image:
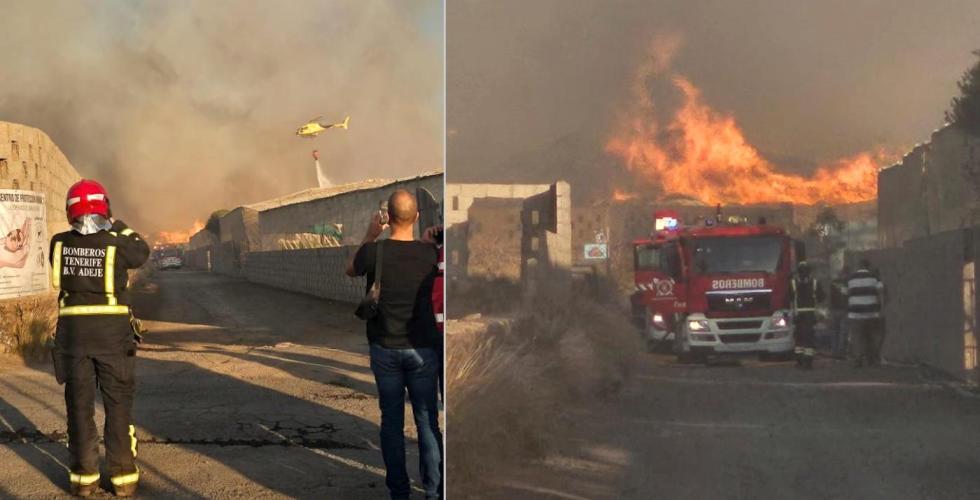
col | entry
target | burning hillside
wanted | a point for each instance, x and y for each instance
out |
(702, 153)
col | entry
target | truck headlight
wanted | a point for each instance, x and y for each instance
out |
(697, 325)
(658, 321)
(779, 320)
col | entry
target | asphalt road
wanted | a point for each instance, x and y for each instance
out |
(760, 431)
(243, 392)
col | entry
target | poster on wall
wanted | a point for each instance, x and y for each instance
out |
(596, 251)
(23, 242)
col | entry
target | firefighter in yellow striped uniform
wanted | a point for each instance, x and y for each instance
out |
(94, 342)
(806, 294)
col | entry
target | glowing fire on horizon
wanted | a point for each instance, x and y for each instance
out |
(703, 154)
(177, 237)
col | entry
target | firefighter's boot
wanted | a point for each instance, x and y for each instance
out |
(125, 485)
(83, 485)
(125, 490)
(84, 490)
(808, 354)
(807, 362)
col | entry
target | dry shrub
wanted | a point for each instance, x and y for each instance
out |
(26, 327)
(140, 277)
(509, 383)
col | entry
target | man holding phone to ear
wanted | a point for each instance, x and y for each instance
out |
(405, 343)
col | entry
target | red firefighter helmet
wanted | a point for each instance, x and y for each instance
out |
(86, 197)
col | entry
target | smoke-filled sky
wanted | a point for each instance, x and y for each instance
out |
(808, 81)
(185, 107)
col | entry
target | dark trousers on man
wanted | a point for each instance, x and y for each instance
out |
(114, 377)
(806, 338)
(865, 337)
(416, 370)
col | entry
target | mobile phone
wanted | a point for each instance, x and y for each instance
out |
(383, 211)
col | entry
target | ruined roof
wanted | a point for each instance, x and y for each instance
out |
(328, 192)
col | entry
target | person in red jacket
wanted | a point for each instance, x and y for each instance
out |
(439, 303)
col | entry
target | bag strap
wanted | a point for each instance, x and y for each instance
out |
(378, 261)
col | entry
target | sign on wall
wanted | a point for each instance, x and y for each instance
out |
(596, 251)
(23, 240)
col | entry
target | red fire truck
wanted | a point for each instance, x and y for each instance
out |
(715, 288)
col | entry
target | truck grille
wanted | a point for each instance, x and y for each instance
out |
(739, 301)
(739, 338)
(740, 325)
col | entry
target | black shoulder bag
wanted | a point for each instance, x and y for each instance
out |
(370, 306)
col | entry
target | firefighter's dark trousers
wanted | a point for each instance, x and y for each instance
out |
(113, 375)
(805, 334)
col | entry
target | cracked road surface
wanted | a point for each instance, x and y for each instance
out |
(762, 430)
(243, 391)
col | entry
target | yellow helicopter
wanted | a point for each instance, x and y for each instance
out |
(313, 127)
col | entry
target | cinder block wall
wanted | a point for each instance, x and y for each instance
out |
(318, 272)
(928, 318)
(31, 161)
(352, 210)
(928, 192)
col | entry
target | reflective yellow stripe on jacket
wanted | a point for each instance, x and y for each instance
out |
(795, 301)
(110, 275)
(56, 265)
(92, 310)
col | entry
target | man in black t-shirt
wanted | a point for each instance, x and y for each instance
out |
(404, 342)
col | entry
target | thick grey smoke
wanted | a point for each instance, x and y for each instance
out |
(184, 107)
(533, 86)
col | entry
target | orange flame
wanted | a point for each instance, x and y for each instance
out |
(177, 237)
(620, 195)
(703, 153)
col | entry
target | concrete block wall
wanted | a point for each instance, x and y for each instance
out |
(202, 239)
(240, 225)
(351, 209)
(199, 259)
(928, 317)
(241, 248)
(929, 192)
(318, 272)
(228, 258)
(31, 161)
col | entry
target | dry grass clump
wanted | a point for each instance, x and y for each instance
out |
(510, 383)
(27, 326)
(141, 276)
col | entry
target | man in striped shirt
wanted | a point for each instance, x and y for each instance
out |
(864, 299)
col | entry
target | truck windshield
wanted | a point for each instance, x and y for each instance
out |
(647, 258)
(738, 254)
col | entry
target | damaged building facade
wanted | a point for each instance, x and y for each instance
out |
(502, 231)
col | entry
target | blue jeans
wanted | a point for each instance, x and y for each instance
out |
(416, 370)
